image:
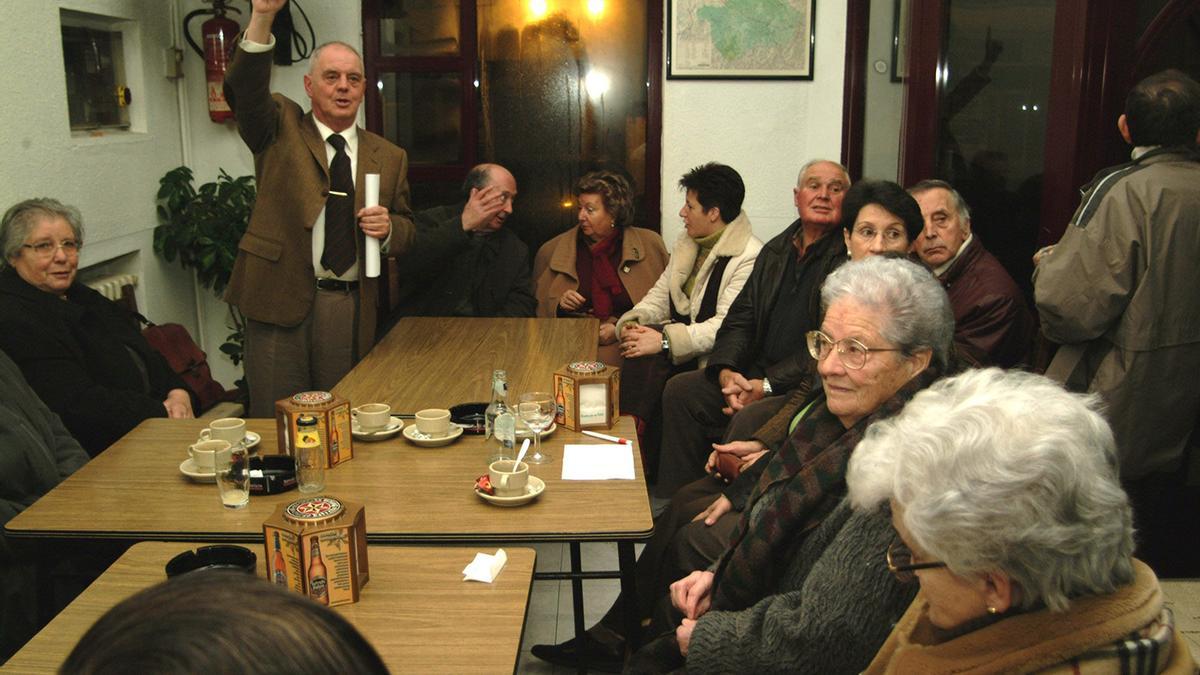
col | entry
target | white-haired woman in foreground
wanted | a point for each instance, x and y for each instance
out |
(1004, 494)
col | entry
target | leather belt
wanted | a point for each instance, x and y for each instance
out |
(336, 285)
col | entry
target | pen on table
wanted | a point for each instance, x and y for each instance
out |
(606, 437)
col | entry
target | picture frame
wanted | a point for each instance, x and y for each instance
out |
(707, 40)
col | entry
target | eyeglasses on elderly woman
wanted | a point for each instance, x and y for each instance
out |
(900, 563)
(47, 249)
(852, 353)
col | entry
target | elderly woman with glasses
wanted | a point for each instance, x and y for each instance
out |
(1004, 494)
(79, 351)
(796, 584)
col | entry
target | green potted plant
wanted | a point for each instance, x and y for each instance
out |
(202, 228)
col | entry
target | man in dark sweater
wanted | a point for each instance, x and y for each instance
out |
(463, 261)
(759, 350)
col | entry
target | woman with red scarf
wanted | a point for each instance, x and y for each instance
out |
(603, 267)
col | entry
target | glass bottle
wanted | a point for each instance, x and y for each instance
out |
(310, 455)
(317, 580)
(499, 402)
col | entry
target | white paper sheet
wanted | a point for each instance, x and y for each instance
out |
(602, 461)
(485, 567)
(371, 250)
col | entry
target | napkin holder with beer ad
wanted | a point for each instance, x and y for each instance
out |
(587, 395)
(317, 546)
(333, 424)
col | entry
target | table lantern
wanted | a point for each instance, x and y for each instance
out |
(333, 424)
(317, 546)
(587, 394)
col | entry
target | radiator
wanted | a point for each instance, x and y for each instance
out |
(112, 287)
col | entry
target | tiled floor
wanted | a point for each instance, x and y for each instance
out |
(550, 618)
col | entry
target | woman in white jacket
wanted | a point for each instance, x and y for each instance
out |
(673, 327)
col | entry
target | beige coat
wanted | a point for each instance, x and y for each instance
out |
(689, 341)
(643, 258)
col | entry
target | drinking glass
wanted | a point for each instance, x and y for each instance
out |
(233, 475)
(537, 410)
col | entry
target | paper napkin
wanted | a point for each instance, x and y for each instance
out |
(601, 461)
(485, 567)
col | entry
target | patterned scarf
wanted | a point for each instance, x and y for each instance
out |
(799, 487)
(606, 285)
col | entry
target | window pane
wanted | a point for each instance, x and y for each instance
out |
(419, 28)
(93, 59)
(563, 90)
(993, 129)
(422, 114)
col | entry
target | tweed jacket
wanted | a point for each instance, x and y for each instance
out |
(689, 341)
(991, 319)
(1122, 288)
(85, 358)
(1092, 636)
(273, 276)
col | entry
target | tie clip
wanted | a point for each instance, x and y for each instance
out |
(339, 194)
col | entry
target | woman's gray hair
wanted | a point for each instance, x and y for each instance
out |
(916, 308)
(21, 218)
(1005, 471)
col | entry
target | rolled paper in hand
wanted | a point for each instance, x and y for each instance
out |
(371, 251)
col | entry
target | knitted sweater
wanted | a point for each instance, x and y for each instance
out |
(834, 606)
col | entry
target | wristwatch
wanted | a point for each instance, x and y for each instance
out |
(666, 343)
(767, 387)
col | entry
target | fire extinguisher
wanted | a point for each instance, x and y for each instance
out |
(219, 35)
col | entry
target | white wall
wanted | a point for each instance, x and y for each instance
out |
(764, 129)
(112, 178)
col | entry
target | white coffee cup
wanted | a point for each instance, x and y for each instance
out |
(231, 429)
(202, 453)
(508, 478)
(433, 422)
(373, 416)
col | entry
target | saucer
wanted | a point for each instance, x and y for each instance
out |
(535, 487)
(379, 434)
(189, 469)
(251, 439)
(417, 438)
(524, 431)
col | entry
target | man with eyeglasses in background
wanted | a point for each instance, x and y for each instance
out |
(464, 261)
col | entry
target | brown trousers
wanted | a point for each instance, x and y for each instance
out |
(315, 355)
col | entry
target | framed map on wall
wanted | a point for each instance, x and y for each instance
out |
(740, 39)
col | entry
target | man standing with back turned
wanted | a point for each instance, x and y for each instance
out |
(310, 313)
(1121, 292)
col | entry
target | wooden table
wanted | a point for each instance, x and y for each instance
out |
(435, 362)
(416, 610)
(135, 491)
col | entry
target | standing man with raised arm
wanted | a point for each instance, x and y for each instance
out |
(310, 313)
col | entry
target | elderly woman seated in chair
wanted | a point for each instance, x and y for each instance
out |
(79, 351)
